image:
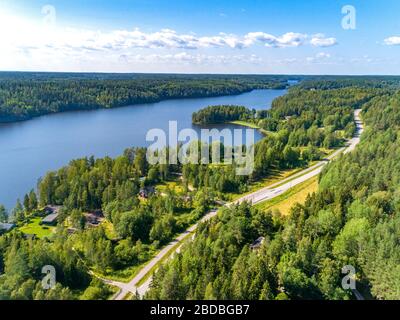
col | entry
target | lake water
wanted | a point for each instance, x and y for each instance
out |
(29, 149)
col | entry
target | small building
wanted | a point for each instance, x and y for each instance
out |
(52, 209)
(94, 218)
(51, 219)
(256, 245)
(5, 227)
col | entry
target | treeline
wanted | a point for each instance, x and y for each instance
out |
(221, 114)
(352, 220)
(27, 95)
(319, 117)
(337, 82)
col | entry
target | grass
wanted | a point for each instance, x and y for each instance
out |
(34, 227)
(171, 185)
(113, 291)
(129, 296)
(250, 125)
(245, 124)
(123, 275)
(275, 176)
(297, 176)
(285, 201)
(109, 230)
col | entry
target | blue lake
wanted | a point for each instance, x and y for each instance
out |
(29, 149)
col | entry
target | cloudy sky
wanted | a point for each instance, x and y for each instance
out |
(219, 36)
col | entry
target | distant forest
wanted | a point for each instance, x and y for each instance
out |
(24, 95)
(27, 95)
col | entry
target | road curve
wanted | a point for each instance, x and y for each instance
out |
(261, 195)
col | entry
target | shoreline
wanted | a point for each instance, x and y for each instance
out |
(12, 119)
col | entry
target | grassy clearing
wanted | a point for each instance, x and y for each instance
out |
(251, 125)
(34, 227)
(124, 275)
(245, 124)
(285, 202)
(171, 185)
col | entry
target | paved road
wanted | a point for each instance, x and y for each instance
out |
(358, 295)
(261, 195)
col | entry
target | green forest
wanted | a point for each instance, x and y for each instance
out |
(27, 95)
(351, 220)
(220, 114)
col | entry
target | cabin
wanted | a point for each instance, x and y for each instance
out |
(50, 219)
(256, 245)
(52, 213)
(6, 227)
(94, 218)
(51, 209)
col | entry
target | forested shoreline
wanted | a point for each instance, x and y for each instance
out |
(27, 95)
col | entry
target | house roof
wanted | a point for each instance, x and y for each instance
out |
(50, 218)
(52, 209)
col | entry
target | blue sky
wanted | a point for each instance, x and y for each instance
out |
(268, 36)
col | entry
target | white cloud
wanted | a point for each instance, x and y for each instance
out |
(184, 57)
(392, 41)
(320, 58)
(290, 39)
(319, 40)
(52, 47)
(42, 36)
(323, 55)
